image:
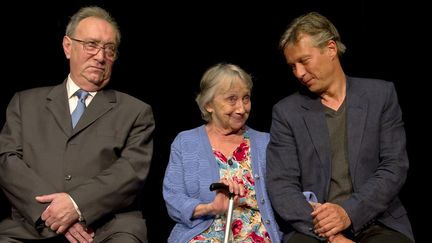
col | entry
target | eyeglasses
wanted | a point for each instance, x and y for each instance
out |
(93, 48)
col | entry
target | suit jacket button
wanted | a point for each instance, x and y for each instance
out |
(68, 177)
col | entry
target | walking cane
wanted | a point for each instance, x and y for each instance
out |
(221, 186)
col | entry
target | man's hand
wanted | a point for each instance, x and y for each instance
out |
(330, 219)
(60, 213)
(77, 233)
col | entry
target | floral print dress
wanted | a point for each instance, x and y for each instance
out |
(246, 224)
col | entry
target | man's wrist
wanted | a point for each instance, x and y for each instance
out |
(80, 216)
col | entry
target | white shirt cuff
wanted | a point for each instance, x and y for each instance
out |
(81, 219)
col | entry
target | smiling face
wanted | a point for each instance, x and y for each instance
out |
(91, 72)
(311, 65)
(230, 106)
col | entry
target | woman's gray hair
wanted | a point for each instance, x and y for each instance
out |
(315, 25)
(91, 11)
(213, 78)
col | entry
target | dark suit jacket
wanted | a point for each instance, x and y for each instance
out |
(102, 163)
(299, 159)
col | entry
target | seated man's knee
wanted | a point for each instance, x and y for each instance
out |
(122, 237)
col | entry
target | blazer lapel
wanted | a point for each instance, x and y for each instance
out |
(57, 104)
(316, 124)
(356, 120)
(103, 101)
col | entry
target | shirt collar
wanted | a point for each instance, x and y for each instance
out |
(71, 88)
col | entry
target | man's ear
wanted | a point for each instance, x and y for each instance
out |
(332, 48)
(67, 46)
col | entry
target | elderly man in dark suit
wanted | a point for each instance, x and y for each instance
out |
(71, 178)
(340, 138)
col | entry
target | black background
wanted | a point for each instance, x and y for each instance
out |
(166, 47)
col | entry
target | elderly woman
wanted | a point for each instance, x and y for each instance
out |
(223, 150)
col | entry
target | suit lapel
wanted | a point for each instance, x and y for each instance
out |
(356, 120)
(57, 104)
(316, 124)
(101, 104)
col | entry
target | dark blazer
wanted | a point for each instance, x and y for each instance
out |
(102, 163)
(299, 159)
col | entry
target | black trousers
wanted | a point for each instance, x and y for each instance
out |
(376, 233)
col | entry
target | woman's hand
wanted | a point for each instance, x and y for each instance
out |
(219, 205)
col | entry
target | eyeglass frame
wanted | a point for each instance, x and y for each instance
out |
(97, 46)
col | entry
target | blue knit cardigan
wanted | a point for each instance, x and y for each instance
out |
(191, 170)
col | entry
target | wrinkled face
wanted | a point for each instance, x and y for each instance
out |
(311, 65)
(231, 106)
(90, 53)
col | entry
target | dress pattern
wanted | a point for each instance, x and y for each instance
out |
(247, 224)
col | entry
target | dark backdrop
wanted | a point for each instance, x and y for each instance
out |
(166, 47)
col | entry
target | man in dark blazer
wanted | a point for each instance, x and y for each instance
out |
(340, 138)
(77, 183)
